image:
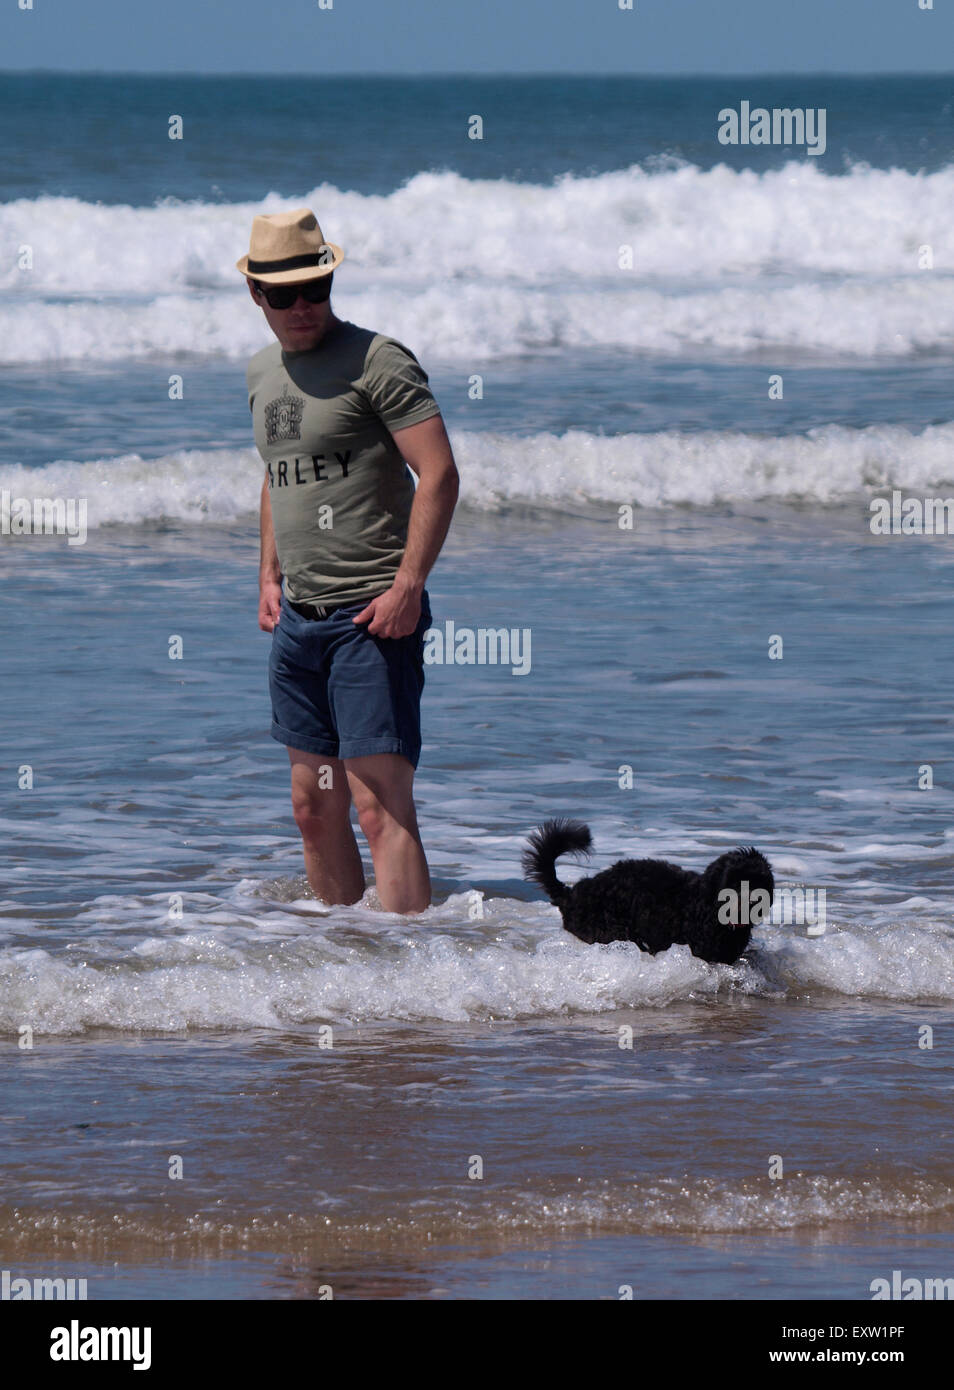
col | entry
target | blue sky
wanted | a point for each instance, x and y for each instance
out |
(479, 36)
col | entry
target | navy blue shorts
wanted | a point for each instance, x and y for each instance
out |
(342, 693)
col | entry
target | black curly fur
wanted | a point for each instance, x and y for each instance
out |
(649, 901)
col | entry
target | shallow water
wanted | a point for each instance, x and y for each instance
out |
(480, 1028)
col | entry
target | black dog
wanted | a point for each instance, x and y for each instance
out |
(652, 902)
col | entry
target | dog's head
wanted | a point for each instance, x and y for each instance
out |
(739, 886)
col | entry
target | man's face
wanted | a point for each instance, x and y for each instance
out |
(302, 325)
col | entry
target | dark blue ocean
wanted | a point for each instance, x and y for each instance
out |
(700, 366)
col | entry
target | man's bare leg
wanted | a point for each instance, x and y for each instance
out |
(382, 788)
(323, 815)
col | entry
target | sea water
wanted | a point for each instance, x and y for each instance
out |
(468, 1102)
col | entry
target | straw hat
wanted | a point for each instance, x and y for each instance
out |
(287, 246)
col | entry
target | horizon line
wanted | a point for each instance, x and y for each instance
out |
(596, 72)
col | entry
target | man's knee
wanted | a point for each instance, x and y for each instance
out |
(315, 817)
(320, 801)
(381, 787)
(373, 819)
(387, 814)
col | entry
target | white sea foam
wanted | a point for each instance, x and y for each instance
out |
(468, 269)
(545, 470)
(476, 324)
(592, 1206)
(706, 1204)
(285, 967)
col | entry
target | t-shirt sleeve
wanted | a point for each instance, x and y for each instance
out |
(396, 386)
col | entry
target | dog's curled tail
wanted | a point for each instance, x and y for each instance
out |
(544, 847)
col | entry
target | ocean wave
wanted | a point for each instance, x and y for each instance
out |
(350, 966)
(690, 1205)
(468, 269)
(546, 471)
(478, 324)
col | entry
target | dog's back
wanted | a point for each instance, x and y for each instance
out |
(641, 900)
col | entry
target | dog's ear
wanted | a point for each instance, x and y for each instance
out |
(742, 872)
(753, 873)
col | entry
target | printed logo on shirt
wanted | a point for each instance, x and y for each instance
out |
(283, 417)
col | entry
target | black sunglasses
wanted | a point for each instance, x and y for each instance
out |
(284, 296)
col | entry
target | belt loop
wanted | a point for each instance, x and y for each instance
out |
(315, 611)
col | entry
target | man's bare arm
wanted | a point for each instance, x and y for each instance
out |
(427, 451)
(269, 570)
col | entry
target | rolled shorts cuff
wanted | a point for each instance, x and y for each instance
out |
(320, 746)
(368, 747)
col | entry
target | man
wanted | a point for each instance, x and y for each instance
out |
(337, 410)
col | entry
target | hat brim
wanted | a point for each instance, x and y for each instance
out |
(289, 277)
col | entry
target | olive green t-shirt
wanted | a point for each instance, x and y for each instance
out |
(339, 489)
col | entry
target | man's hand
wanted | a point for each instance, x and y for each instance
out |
(270, 593)
(395, 613)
